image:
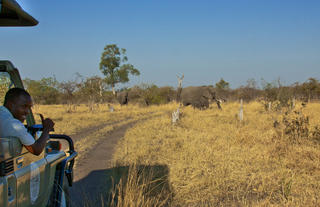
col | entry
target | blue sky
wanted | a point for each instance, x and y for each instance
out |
(205, 40)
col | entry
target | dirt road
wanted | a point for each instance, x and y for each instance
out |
(92, 172)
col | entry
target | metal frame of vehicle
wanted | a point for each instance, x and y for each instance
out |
(26, 179)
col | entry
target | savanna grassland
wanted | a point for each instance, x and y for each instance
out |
(208, 158)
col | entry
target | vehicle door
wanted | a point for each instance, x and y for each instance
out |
(7, 178)
(32, 183)
(28, 184)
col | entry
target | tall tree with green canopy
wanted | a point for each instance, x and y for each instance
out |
(222, 84)
(113, 66)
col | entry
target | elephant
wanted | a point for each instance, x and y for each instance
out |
(131, 95)
(122, 97)
(198, 96)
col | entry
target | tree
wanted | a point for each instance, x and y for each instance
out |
(252, 83)
(248, 92)
(68, 89)
(44, 91)
(222, 84)
(112, 65)
(310, 88)
(93, 87)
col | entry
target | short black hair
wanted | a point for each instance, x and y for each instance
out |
(14, 93)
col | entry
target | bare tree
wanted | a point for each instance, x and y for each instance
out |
(179, 89)
(180, 79)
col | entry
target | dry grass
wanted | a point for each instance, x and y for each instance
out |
(141, 186)
(82, 118)
(212, 158)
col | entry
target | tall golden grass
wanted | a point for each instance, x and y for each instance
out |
(83, 118)
(212, 158)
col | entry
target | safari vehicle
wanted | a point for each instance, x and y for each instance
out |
(26, 179)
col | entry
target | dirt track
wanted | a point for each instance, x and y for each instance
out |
(91, 173)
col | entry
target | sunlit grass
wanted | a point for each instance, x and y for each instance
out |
(213, 159)
(82, 119)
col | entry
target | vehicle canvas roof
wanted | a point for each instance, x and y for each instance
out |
(11, 14)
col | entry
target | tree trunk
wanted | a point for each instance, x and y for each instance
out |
(178, 97)
(100, 91)
(113, 91)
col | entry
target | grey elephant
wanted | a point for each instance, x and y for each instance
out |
(132, 95)
(122, 97)
(198, 96)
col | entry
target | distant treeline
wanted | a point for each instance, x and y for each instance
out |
(96, 90)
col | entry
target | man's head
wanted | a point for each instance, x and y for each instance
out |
(18, 102)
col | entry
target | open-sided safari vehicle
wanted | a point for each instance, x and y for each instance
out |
(26, 179)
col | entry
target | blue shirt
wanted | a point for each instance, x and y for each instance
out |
(11, 127)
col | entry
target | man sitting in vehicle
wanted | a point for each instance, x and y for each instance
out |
(16, 106)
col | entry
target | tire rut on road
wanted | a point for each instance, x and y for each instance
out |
(100, 155)
(97, 159)
(89, 130)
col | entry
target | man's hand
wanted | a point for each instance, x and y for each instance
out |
(47, 123)
(37, 147)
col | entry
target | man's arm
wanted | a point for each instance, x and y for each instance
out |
(37, 147)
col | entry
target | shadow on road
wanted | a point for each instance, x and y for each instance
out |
(96, 188)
